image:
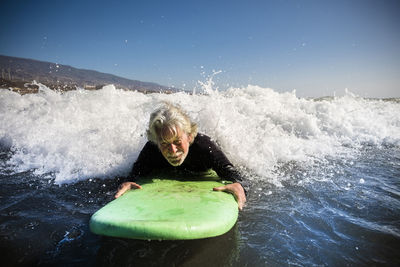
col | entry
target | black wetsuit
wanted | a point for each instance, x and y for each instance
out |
(203, 155)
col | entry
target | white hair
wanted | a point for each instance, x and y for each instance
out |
(169, 117)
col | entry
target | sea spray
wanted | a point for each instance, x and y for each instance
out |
(82, 134)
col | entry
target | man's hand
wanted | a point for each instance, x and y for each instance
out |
(125, 187)
(237, 190)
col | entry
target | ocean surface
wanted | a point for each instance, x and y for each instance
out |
(324, 174)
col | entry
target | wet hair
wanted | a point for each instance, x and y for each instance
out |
(167, 119)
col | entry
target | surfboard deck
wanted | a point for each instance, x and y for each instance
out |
(168, 209)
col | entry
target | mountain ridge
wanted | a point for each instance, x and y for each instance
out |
(65, 77)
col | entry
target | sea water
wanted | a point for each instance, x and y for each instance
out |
(324, 175)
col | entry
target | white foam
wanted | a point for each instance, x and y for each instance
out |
(85, 134)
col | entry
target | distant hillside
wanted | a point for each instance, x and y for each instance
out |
(66, 77)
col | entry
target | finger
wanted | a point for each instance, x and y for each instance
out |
(219, 188)
(241, 202)
(121, 191)
(136, 186)
(236, 192)
(227, 189)
(125, 187)
(241, 199)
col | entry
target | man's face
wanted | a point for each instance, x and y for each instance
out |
(174, 145)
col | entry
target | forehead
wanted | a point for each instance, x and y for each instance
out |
(171, 133)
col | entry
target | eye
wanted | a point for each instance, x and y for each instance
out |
(164, 144)
(177, 142)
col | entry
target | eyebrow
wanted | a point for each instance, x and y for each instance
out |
(173, 140)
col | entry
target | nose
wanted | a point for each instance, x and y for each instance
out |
(172, 148)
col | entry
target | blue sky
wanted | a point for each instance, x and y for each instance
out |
(316, 47)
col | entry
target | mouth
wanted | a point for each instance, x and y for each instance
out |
(174, 158)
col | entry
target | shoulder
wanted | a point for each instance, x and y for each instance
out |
(150, 154)
(149, 148)
(202, 140)
(205, 143)
(150, 145)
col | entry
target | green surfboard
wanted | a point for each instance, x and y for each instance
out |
(169, 209)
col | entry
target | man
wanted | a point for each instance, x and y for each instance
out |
(174, 144)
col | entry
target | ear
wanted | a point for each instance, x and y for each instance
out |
(190, 137)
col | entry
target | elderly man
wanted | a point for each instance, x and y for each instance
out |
(175, 143)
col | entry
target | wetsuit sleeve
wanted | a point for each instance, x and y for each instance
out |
(222, 166)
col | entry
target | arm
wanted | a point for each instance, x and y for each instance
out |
(236, 188)
(141, 167)
(224, 168)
